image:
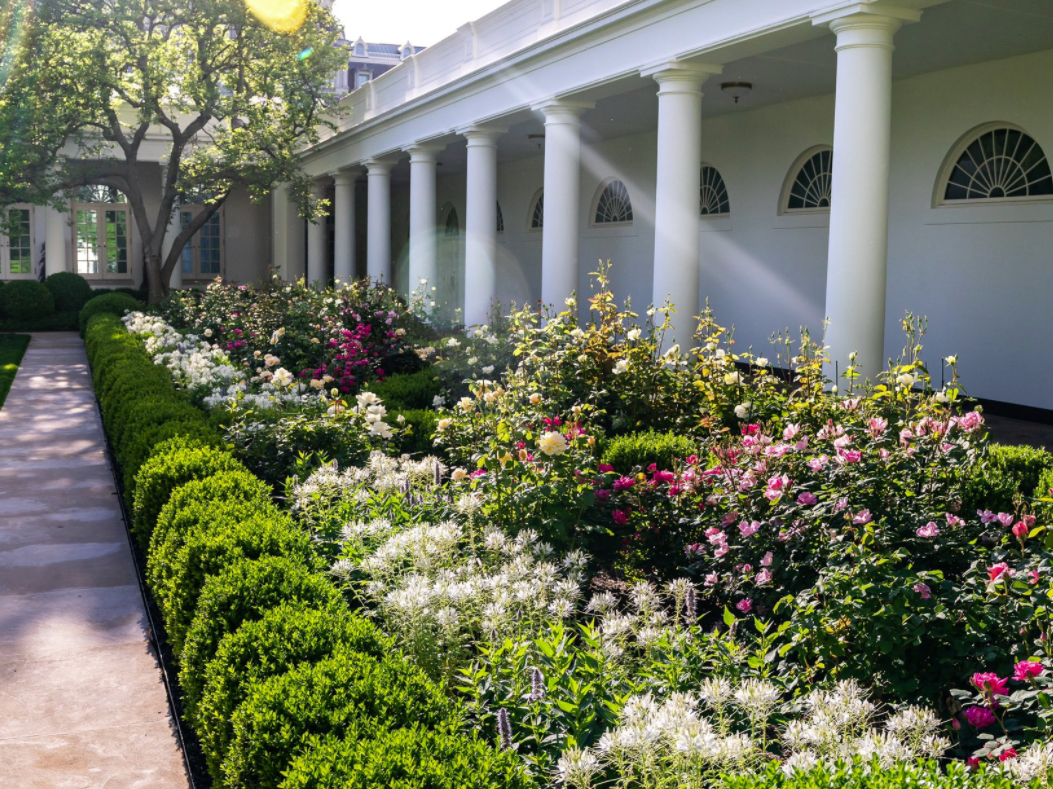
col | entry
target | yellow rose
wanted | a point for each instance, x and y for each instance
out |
(552, 443)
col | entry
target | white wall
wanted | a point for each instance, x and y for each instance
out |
(247, 238)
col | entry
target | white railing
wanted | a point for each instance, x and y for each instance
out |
(515, 25)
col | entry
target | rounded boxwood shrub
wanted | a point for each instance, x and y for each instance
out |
(179, 567)
(139, 447)
(112, 303)
(27, 300)
(642, 449)
(140, 413)
(1005, 472)
(286, 636)
(272, 725)
(413, 391)
(244, 592)
(70, 291)
(411, 758)
(421, 438)
(172, 463)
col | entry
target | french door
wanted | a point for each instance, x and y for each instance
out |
(16, 243)
(202, 257)
(101, 237)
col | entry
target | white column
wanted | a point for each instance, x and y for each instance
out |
(378, 225)
(480, 245)
(316, 243)
(175, 282)
(676, 230)
(344, 225)
(561, 227)
(55, 241)
(423, 244)
(287, 235)
(858, 253)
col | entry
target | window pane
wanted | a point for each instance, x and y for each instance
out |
(116, 242)
(187, 255)
(210, 246)
(21, 242)
(87, 242)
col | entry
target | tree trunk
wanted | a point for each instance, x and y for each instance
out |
(157, 288)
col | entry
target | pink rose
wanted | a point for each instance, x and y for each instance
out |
(807, 499)
(1005, 518)
(862, 517)
(929, 530)
(1020, 530)
(986, 516)
(1027, 669)
(876, 426)
(766, 561)
(621, 517)
(979, 717)
(1033, 575)
(745, 605)
(850, 455)
(712, 579)
(763, 577)
(817, 464)
(994, 572)
(923, 590)
(954, 520)
(749, 529)
(1007, 754)
(989, 682)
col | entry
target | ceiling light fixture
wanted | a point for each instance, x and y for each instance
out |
(736, 89)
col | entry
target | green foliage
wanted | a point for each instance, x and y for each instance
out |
(12, 348)
(408, 392)
(70, 291)
(287, 636)
(411, 758)
(110, 303)
(861, 775)
(272, 726)
(172, 463)
(420, 437)
(639, 450)
(180, 565)
(244, 592)
(1003, 476)
(26, 300)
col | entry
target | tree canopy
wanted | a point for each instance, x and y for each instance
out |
(223, 93)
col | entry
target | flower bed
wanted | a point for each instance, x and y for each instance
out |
(791, 574)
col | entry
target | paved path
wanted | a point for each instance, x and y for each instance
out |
(82, 702)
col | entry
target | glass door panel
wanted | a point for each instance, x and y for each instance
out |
(116, 242)
(20, 242)
(185, 218)
(87, 241)
(209, 246)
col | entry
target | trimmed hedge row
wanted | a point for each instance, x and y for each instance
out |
(283, 684)
(640, 450)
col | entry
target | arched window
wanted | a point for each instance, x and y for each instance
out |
(995, 162)
(712, 193)
(537, 211)
(808, 186)
(613, 206)
(500, 219)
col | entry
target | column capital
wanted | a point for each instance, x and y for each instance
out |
(686, 76)
(378, 166)
(869, 24)
(562, 109)
(423, 153)
(478, 134)
(345, 177)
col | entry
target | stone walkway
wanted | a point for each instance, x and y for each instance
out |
(82, 701)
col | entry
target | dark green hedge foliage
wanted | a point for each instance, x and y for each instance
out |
(26, 300)
(911, 775)
(1004, 473)
(243, 593)
(272, 725)
(421, 438)
(409, 392)
(412, 758)
(287, 636)
(109, 303)
(667, 450)
(173, 463)
(70, 291)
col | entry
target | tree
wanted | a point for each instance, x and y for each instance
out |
(90, 89)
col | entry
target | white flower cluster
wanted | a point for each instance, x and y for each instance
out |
(1034, 764)
(193, 362)
(654, 740)
(380, 474)
(439, 589)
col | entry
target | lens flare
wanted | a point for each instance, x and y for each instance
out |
(281, 16)
(305, 54)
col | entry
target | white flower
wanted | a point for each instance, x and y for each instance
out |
(277, 335)
(906, 380)
(452, 343)
(552, 443)
(270, 360)
(443, 424)
(317, 383)
(761, 361)
(458, 474)
(633, 335)
(208, 332)
(473, 361)
(732, 379)
(621, 366)
(466, 404)
(488, 369)
(951, 360)
(535, 398)
(743, 409)
(367, 399)
(571, 301)
(382, 429)
(282, 377)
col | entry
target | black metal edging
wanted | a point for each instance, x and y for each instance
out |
(153, 633)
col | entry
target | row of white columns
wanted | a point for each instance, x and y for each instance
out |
(856, 273)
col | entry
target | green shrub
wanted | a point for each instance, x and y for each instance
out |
(179, 567)
(242, 593)
(139, 447)
(874, 775)
(272, 725)
(1004, 473)
(667, 450)
(111, 303)
(286, 636)
(421, 438)
(411, 392)
(411, 758)
(70, 291)
(2, 283)
(172, 463)
(26, 300)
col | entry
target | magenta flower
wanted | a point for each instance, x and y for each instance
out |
(876, 426)
(621, 517)
(986, 516)
(989, 682)
(749, 529)
(979, 717)
(1005, 518)
(817, 464)
(745, 605)
(807, 499)
(954, 520)
(712, 579)
(1027, 669)
(929, 530)
(1033, 574)
(849, 455)
(1020, 530)
(923, 590)
(994, 572)
(862, 517)
(763, 577)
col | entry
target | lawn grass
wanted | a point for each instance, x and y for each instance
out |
(12, 348)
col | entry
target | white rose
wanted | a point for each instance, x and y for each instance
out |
(762, 361)
(452, 343)
(282, 377)
(458, 474)
(466, 404)
(382, 429)
(473, 361)
(906, 380)
(277, 336)
(535, 398)
(552, 443)
(633, 335)
(488, 369)
(577, 334)
(366, 399)
(208, 332)
(317, 383)
(438, 401)
(743, 410)
(621, 366)
(732, 379)
(443, 424)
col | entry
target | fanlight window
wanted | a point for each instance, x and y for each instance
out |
(713, 194)
(537, 216)
(100, 194)
(500, 219)
(811, 186)
(614, 206)
(999, 163)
